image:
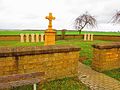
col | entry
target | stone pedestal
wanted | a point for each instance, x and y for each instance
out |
(27, 37)
(85, 37)
(32, 37)
(42, 37)
(21, 37)
(37, 37)
(50, 37)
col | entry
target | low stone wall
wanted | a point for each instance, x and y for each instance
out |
(106, 56)
(9, 38)
(107, 37)
(56, 61)
(60, 37)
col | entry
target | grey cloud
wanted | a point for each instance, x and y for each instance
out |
(64, 10)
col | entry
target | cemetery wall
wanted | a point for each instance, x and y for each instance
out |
(56, 61)
(10, 37)
(106, 56)
(59, 37)
(107, 37)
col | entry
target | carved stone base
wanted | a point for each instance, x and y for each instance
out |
(50, 37)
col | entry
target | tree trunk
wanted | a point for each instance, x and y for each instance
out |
(82, 28)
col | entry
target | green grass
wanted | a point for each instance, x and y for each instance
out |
(17, 43)
(113, 73)
(71, 83)
(18, 32)
(65, 84)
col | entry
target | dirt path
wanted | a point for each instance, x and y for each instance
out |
(96, 80)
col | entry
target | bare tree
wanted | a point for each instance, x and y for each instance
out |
(116, 17)
(84, 20)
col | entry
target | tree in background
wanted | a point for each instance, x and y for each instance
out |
(84, 20)
(116, 17)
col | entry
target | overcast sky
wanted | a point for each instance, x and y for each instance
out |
(30, 14)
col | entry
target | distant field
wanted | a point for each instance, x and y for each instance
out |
(17, 32)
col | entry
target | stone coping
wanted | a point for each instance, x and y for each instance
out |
(16, 80)
(107, 45)
(34, 50)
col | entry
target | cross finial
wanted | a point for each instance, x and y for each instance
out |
(50, 18)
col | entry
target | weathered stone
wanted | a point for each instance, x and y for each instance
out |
(91, 38)
(106, 56)
(32, 37)
(27, 37)
(55, 61)
(63, 33)
(21, 37)
(37, 38)
(88, 37)
(42, 37)
(85, 37)
(50, 33)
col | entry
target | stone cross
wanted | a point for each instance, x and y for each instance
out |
(21, 37)
(37, 37)
(50, 18)
(27, 37)
(42, 37)
(32, 37)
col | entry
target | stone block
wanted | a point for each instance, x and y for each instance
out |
(42, 37)
(27, 37)
(22, 37)
(32, 37)
(85, 37)
(106, 56)
(37, 38)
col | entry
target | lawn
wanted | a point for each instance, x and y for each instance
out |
(70, 83)
(68, 32)
(113, 73)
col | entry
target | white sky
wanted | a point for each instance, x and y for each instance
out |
(30, 14)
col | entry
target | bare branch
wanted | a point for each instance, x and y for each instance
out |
(84, 20)
(116, 17)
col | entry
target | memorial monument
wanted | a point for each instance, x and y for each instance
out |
(50, 33)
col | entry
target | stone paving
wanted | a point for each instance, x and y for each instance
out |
(96, 80)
